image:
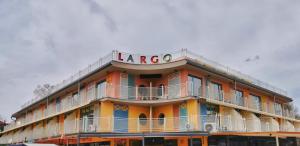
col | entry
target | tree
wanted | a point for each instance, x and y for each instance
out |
(291, 107)
(43, 90)
(296, 112)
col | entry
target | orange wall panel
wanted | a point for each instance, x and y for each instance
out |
(192, 109)
(167, 110)
(61, 123)
(113, 81)
(133, 115)
(107, 110)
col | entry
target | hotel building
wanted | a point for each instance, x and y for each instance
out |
(173, 99)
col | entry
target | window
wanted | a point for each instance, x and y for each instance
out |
(160, 91)
(91, 92)
(76, 100)
(142, 91)
(58, 104)
(161, 119)
(143, 119)
(101, 89)
(195, 142)
(278, 108)
(194, 86)
(87, 119)
(216, 91)
(239, 98)
(212, 109)
(256, 100)
(174, 85)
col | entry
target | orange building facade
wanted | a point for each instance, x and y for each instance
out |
(175, 99)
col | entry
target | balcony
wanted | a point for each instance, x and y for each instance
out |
(208, 123)
(137, 93)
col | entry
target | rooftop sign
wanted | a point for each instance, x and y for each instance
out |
(143, 59)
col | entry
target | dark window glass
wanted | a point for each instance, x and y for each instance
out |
(195, 142)
(143, 119)
(161, 118)
(142, 91)
(58, 104)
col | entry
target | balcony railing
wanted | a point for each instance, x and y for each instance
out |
(52, 130)
(148, 93)
(209, 123)
(245, 102)
(142, 93)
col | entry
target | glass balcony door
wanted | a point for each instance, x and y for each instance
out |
(215, 91)
(87, 119)
(239, 98)
(174, 85)
(101, 89)
(256, 101)
(194, 86)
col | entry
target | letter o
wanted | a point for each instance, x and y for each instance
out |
(167, 58)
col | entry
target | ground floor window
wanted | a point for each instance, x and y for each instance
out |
(195, 142)
(155, 141)
(87, 119)
(249, 141)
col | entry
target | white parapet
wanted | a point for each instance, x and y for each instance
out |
(253, 123)
(287, 126)
(269, 124)
(233, 120)
(70, 123)
(297, 126)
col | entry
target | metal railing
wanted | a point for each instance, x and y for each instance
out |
(202, 60)
(142, 93)
(52, 129)
(167, 124)
(287, 126)
(210, 123)
(149, 93)
(176, 56)
(92, 67)
(38, 132)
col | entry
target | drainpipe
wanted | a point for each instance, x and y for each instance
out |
(277, 140)
(78, 94)
(143, 141)
(191, 140)
(274, 101)
(234, 89)
(150, 118)
(162, 91)
(150, 90)
(78, 140)
(136, 92)
(234, 85)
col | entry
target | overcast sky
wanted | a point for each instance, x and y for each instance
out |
(47, 41)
